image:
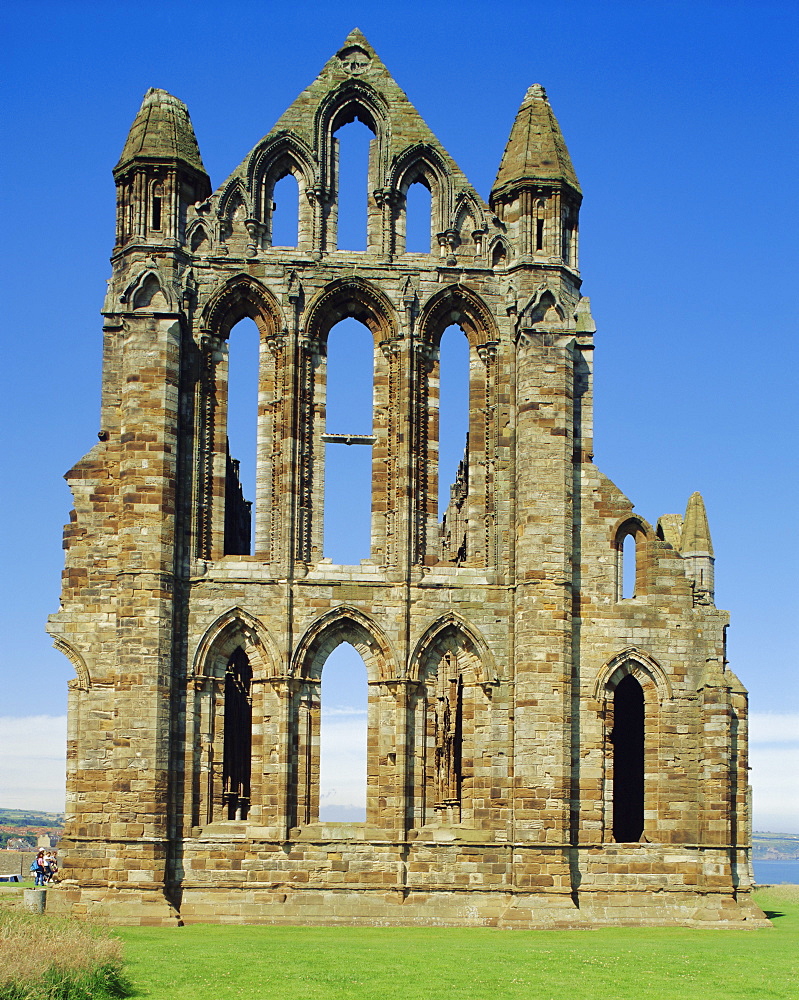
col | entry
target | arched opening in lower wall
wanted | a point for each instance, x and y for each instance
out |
(342, 740)
(628, 761)
(237, 759)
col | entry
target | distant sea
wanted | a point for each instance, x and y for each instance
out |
(776, 872)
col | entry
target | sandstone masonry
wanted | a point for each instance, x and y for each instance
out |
(542, 750)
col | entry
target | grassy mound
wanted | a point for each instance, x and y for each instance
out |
(42, 958)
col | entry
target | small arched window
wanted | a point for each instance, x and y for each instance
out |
(630, 560)
(569, 238)
(236, 764)
(539, 226)
(155, 207)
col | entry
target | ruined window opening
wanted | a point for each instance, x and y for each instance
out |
(342, 740)
(352, 148)
(348, 443)
(448, 732)
(155, 217)
(441, 731)
(418, 218)
(236, 764)
(453, 442)
(539, 234)
(242, 433)
(285, 211)
(628, 761)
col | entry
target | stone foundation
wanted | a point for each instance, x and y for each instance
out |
(432, 883)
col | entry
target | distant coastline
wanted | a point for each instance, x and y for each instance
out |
(775, 846)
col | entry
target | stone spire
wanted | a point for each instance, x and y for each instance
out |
(696, 548)
(162, 131)
(535, 153)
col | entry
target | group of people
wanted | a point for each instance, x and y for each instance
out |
(44, 867)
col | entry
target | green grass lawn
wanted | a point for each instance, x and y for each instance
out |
(209, 962)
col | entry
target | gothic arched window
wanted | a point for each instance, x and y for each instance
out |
(446, 711)
(242, 420)
(353, 145)
(236, 764)
(348, 443)
(453, 442)
(630, 548)
(418, 217)
(344, 699)
(628, 761)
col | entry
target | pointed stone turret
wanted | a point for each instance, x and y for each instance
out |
(162, 130)
(696, 547)
(536, 193)
(536, 152)
(159, 173)
(695, 532)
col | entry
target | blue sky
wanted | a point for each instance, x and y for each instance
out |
(680, 119)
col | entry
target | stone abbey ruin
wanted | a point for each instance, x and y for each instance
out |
(542, 749)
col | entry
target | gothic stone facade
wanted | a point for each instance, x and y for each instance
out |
(542, 751)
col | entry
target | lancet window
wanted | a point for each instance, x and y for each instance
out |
(348, 443)
(344, 700)
(352, 145)
(447, 710)
(467, 531)
(240, 458)
(627, 738)
(238, 409)
(418, 217)
(453, 444)
(630, 554)
(236, 764)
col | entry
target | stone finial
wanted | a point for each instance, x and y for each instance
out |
(356, 36)
(696, 532)
(162, 130)
(535, 92)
